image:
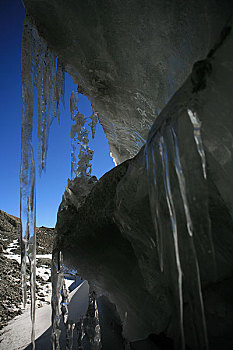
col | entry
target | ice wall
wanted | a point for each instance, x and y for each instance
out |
(162, 154)
(156, 231)
(181, 156)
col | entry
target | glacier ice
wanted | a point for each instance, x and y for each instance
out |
(156, 231)
(169, 222)
(166, 146)
(129, 67)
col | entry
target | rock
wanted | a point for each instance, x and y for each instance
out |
(9, 222)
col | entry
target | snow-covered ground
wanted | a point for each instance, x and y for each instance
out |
(16, 335)
(43, 273)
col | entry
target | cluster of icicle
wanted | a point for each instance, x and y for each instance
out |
(88, 328)
(41, 69)
(81, 162)
(163, 161)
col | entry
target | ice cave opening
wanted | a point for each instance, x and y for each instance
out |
(153, 236)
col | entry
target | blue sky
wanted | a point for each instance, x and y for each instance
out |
(51, 185)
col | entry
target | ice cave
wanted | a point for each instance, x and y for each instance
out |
(154, 236)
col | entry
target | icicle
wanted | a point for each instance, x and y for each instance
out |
(80, 335)
(90, 325)
(197, 136)
(38, 68)
(73, 104)
(171, 208)
(80, 137)
(80, 167)
(48, 74)
(88, 328)
(64, 300)
(57, 284)
(154, 202)
(182, 185)
(32, 260)
(60, 86)
(27, 174)
(162, 156)
(94, 120)
(60, 302)
(69, 336)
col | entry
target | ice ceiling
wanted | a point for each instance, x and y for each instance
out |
(168, 211)
(129, 57)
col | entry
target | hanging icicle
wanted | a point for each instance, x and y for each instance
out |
(163, 161)
(80, 130)
(38, 68)
(197, 136)
(88, 328)
(90, 325)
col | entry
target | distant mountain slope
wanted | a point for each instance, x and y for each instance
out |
(10, 274)
(10, 229)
